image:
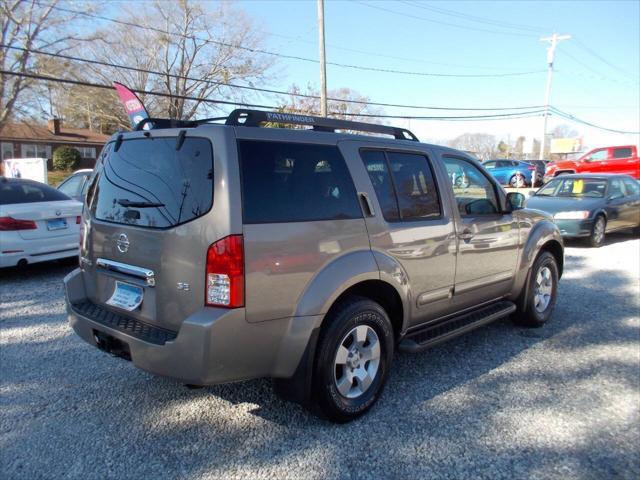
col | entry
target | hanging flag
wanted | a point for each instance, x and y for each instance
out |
(132, 105)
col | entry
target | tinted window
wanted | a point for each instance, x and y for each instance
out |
(25, 191)
(632, 187)
(149, 183)
(72, 185)
(621, 152)
(474, 193)
(376, 164)
(415, 187)
(290, 182)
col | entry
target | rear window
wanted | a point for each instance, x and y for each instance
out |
(291, 182)
(150, 183)
(621, 152)
(24, 191)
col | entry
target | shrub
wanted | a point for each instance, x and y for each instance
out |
(66, 158)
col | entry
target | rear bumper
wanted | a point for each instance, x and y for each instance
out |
(213, 345)
(12, 250)
(575, 228)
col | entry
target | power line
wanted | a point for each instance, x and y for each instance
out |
(292, 57)
(569, 116)
(582, 45)
(262, 90)
(473, 18)
(439, 22)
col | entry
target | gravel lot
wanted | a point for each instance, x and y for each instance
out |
(501, 402)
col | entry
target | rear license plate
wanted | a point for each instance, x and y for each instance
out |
(126, 296)
(57, 224)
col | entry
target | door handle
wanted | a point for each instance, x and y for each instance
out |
(466, 235)
(366, 204)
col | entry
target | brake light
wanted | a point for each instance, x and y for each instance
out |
(78, 218)
(8, 224)
(225, 273)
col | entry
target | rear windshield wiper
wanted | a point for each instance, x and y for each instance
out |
(128, 203)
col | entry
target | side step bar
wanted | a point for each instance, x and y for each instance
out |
(433, 334)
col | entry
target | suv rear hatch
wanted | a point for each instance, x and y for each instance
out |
(148, 227)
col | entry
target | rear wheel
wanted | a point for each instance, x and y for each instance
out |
(353, 359)
(543, 289)
(517, 181)
(596, 239)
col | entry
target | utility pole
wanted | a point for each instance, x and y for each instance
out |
(323, 60)
(551, 52)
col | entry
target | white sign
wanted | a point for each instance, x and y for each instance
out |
(30, 168)
(126, 296)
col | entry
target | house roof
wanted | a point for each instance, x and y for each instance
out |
(40, 133)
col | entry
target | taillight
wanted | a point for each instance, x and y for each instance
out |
(531, 167)
(78, 218)
(11, 224)
(225, 273)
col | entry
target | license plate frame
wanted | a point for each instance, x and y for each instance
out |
(126, 296)
(57, 224)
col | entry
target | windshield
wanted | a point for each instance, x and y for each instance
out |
(574, 187)
(154, 182)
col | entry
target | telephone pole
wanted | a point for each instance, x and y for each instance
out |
(323, 60)
(551, 52)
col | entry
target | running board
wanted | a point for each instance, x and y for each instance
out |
(433, 334)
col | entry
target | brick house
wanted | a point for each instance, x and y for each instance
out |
(23, 140)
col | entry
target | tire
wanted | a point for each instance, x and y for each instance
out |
(598, 232)
(542, 294)
(346, 384)
(517, 181)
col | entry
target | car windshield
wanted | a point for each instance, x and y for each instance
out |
(574, 187)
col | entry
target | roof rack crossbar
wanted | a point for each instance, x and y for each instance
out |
(256, 118)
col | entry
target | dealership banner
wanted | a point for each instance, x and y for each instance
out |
(132, 105)
(566, 145)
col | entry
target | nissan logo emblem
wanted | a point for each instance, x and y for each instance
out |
(123, 243)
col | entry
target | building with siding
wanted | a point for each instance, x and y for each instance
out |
(23, 140)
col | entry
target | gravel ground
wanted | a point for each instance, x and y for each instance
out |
(501, 402)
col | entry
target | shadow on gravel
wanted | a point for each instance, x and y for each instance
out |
(501, 402)
(610, 239)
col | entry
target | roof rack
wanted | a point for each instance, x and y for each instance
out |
(256, 118)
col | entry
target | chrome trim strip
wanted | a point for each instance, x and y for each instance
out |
(144, 273)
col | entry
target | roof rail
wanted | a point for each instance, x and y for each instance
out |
(256, 118)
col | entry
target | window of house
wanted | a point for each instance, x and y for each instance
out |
(35, 150)
(7, 150)
(87, 152)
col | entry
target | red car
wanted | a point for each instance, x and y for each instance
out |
(621, 160)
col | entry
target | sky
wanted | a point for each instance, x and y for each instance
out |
(596, 75)
(596, 72)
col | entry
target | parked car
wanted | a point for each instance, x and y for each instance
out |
(622, 160)
(513, 173)
(590, 205)
(37, 223)
(541, 168)
(307, 256)
(76, 184)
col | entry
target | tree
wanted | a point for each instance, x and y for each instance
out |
(27, 25)
(564, 131)
(66, 158)
(344, 103)
(196, 46)
(482, 145)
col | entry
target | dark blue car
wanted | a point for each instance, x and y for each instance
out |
(512, 173)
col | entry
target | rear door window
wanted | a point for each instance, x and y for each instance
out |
(621, 152)
(150, 183)
(294, 182)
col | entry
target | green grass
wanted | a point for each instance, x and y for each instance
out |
(54, 177)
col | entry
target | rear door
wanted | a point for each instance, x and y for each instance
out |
(409, 221)
(156, 204)
(622, 161)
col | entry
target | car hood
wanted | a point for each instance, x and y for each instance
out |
(563, 204)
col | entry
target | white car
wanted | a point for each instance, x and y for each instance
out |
(37, 223)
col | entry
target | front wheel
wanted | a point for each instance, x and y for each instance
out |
(543, 289)
(596, 239)
(353, 359)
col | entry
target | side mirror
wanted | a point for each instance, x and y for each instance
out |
(531, 193)
(515, 200)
